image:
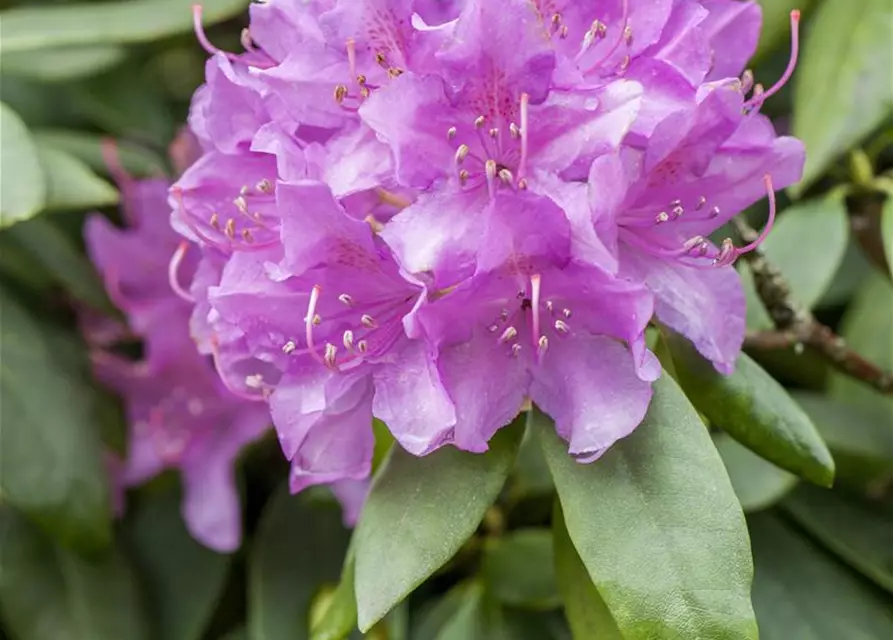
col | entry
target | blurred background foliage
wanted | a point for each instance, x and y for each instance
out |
(75, 72)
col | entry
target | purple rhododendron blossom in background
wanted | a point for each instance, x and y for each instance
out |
(431, 212)
(179, 412)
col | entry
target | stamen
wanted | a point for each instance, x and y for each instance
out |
(463, 177)
(392, 199)
(462, 153)
(746, 81)
(535, 305)
(490, 168)
(345, 299)
(494, 133)
(368, 321)
(516, 350)
(625, 20)
(347, 339)
(215, 221)
(714, 212)
(757, 100)
(479, 122)
(362, 346)
(506, 176)
(561, 326)
(566, 313)
(514, 130)
(309, 323)
(728, 253)
(541, 346)
(451, 133)
(509, 334)
(493, 328)
(330, 355)
(246, 236)
(172, 270)
(289, 347)
(200, 33)
(340, 93)
(231, 229)
(661, 217)
(525, 124)
(264, 186)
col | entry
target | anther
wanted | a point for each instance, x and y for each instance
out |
(361, 80)
(331, 353)
(347, 339)
(254, 381)
(561, 326)
(678, 211)
(490, 167)
(701, 202)
(516, 350)
(514, 131)
(493, 328)
(562, 32)
(340, 93)
(714, 212)
(566, 313)
(479, 122)
(451, 133)
(506, 176)
(362, 346)
(494, 132)
(462, 153)
(244, 190)
(522, 184)
(463, 177)
(541, 345)
(289, 347)
(231, 229)
(550, 307)
(246, 236)
(368, 321)
(345, 299)
(676, 203)
(317, 320)
(215, 221)
(556, 19)
(394, 72)
(240, 203)
(661, 217)
(264, 186)
(510, 333)
(624, 64)
(364, 92)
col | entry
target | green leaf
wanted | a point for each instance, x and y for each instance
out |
(801, 593)
(887, 230)
(59, 256)
(777, 23)
(855, 529)
(71, 184)
(519, 569)
(531, 475)
(49, 593)
(51, 464)
(808, 245)
(241, 633)
(138, 161)
(299, 547)
(22, 183)
(867, 328)
(29, 28)
(340, 616)
(842, 86)
(183, 579)
(857, 435)
(757, 483)
(584, 607)
(755, 410)
(435, 614)
(64, 63)
(419, 512)
(668, 555)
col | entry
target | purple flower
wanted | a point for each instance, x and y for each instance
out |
(431, 212)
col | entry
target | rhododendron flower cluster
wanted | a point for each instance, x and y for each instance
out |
(431, 212)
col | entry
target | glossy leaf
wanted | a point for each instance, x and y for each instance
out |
(584, 607)
(802, 592)
(298, 548)
(182, 579)
(858, 436)
(340, 616)
(62, 259)
(755, 410)
(658, 527)
(757, 483)
(29, 28)
(855, 529)
(518, 569)
(419, 512)
(22, 182)
(87, 147)
(887, 231)
(64, 63)
(808, 245)
(868, 330)
(51, 464)
(49, 593)
(71, 184)
(842, 86)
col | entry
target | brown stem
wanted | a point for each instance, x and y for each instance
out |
(796, 327)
